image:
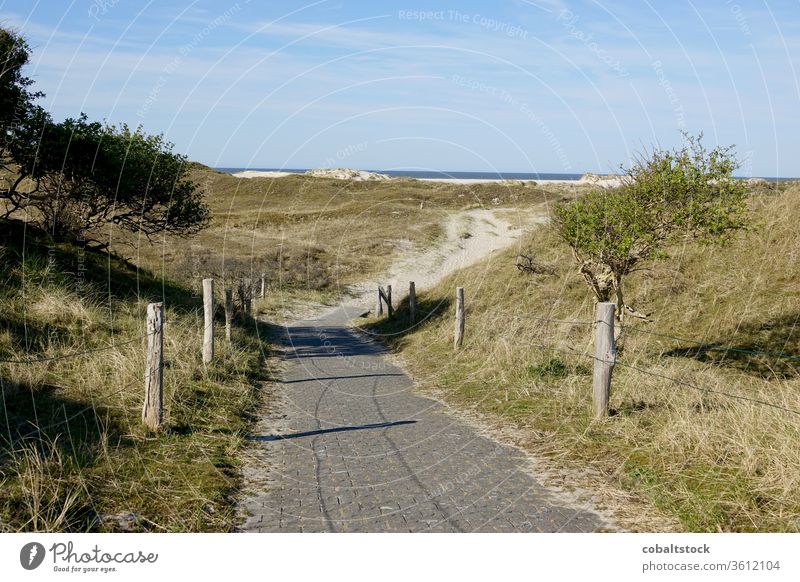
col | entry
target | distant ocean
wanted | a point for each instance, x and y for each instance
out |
(430, 175)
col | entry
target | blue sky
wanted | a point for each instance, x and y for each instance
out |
(544, 86)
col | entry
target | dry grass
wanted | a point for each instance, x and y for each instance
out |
(319, 235)
(705, 448)
(74, 455)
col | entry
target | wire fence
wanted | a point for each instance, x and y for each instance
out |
(705, 346)
(74, 415)
(154, 356)
(76, 354)
(677, 381)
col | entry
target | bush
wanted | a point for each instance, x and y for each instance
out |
(685, 193)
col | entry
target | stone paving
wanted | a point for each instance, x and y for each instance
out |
(349, 447)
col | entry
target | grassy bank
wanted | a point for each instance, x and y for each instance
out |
(314, 236)
(708, 431)
(74, 455)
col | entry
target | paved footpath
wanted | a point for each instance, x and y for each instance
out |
(349, 447)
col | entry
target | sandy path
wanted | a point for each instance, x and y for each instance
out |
(470, 236)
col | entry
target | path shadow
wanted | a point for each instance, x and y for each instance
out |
(318, 379)
(297, 435)
(328, 342)
(767, 349)
(393, 329)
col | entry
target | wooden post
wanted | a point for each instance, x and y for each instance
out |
(263, 285)
(605, 355)
(228, 313)
(379, 304)
(412, 302)
(153, 409)
(459, 335)
(208, 318)
(244, 297)
(389, 308)
(248, 296)
(240, 293)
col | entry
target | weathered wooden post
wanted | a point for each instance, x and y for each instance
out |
(605, 356)
(208, 318)
(379, 304)
(248, 295)
(244, 297)
(459, 335)
(240, 293)
(263, 285)
(389, 308)
(153, 409)
(412, 302)
(228, 313)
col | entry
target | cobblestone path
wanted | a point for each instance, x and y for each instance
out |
(350, 447)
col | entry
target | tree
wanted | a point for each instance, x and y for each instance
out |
(76, 176)
(21, 121)
(688, 192)
(89, 174)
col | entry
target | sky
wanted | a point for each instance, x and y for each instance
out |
(511, 86)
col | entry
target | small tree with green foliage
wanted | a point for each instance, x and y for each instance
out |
(688, 192)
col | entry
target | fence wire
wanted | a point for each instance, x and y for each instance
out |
(676, 381)
(77, 354)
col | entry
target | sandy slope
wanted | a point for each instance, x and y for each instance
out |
(488, 233)
(470, 236)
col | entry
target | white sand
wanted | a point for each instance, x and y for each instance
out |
(361, 175)
(492, 180)
(260, 174)
(334, 173)
(427, 266)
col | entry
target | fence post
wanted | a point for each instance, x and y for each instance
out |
(412, 302)
(263, 285)
(389, 308)
(153, 409)
(240, 293)
(379, 304)
(248, 295)
(208, 318)
(228, 313)
(459, 335)
(605, 356)
(244, 297)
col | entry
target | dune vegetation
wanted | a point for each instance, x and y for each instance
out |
(315, 238)
(74, 454)
(705, 406)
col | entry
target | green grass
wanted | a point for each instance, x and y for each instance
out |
(74, 455)
(714, 462)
